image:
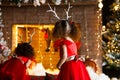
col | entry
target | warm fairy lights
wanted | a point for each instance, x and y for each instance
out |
(100, 5)
(86, 36)
(16, 34)
(99, 37)
(41, 55)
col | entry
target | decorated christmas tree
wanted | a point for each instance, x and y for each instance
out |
(111, 41)
(4, 49)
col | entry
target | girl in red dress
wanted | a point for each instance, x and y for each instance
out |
(65, 34)
(15, 68)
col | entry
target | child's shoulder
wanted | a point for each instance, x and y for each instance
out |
(58, 42)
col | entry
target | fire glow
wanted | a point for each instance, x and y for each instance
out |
(37, 69)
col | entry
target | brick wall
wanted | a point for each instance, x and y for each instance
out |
(86, 15)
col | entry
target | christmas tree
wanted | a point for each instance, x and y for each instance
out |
(111, 41)
(4, 49)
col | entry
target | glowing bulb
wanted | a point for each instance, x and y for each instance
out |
(100, 5)
(99, 0)
(103, 28)
(116, 7)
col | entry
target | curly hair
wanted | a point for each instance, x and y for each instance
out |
(24, 49)
(60, 30)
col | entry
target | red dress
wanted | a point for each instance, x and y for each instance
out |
(71, 70)
(14, 69)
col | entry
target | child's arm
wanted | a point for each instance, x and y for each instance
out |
(63, 58)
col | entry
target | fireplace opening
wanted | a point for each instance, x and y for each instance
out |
(45, 55)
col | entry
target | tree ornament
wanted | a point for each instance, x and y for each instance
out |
(36, 3)
(19, 4)
(58, 2)
(1, 34)
(43, 1)
(26, 1)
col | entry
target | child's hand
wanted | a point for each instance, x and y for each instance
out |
(59, 67)
(78, 57)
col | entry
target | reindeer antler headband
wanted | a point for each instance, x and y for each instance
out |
(55, 14)
(31, 35)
